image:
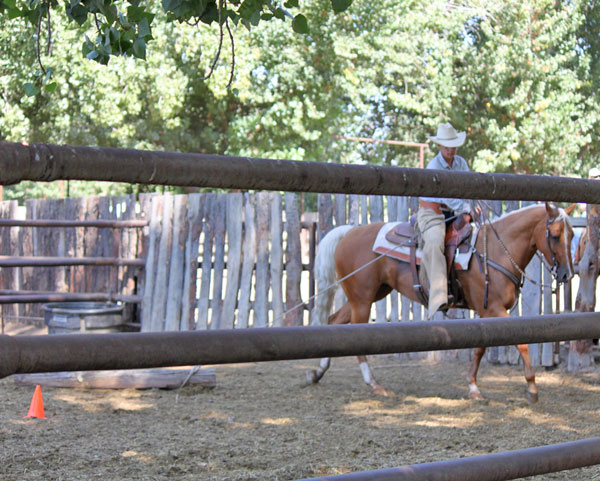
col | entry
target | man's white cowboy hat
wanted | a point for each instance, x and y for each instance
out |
(448, 136)
(594, 173)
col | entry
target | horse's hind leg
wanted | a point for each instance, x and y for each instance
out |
(532, 391)
(342, 316)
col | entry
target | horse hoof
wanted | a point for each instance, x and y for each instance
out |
(476, 395)
(532, 397)
(311, 377)
(381, 391)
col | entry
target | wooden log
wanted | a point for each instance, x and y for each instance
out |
(208, 230)
(235, 210)
(293, 264)
(220, 212)
(40, 261)
(9, 278)
(325, 209)
(26, 297)
(276, 265)
(176, 268)
(104, 278)
(190, 275)
(261, 287)
(74, 222)
(150, 270)
(128, 245)
(163, 378)
(364, 211)
(353, 209)
(159, 293)
(340, 209)
(249, 251)
(26, 240)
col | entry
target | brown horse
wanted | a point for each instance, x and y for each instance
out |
(519, 235)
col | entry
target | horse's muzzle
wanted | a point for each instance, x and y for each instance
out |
(563, 274)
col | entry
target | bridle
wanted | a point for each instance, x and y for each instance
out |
(553, 269)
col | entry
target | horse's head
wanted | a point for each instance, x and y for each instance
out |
(588, 263)
(559, 234)
(587, 268)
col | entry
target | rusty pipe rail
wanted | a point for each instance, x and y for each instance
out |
(489, 467)
(46, 162)
(25, 354)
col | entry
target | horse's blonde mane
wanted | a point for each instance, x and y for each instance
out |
(562, 215)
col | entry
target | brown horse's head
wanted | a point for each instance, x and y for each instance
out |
(559, 234)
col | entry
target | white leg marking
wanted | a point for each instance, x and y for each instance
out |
(366, 373)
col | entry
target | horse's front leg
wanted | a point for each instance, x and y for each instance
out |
(474, 392)
(360, 314)
(532, 391)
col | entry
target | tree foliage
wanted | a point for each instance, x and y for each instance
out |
(520, 78)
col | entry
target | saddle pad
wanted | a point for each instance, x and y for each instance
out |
(384, 246)
(402, 253)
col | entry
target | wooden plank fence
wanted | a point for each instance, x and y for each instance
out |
(217, 261)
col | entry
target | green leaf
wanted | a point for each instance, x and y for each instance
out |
(291, 4)
(31, 89)
(51, 87)
(14, 13)
(144, 28)
(211, 14)
(340, 5)
(299, 24)
(78, 13)
(139, 48)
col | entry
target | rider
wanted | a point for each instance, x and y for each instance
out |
(432, 213)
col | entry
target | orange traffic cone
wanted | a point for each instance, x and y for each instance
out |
(36, 408)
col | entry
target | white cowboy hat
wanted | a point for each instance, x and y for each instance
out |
(448, 136)
(594, 173)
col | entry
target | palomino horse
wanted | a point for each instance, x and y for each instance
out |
(512, 241)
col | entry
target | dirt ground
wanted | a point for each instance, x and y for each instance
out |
(260, 423)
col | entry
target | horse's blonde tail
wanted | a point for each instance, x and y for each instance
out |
(325, 274)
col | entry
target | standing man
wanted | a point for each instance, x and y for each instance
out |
(432, 214)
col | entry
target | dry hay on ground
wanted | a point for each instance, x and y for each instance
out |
(259, 423)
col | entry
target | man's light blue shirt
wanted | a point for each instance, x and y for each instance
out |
(458, 165)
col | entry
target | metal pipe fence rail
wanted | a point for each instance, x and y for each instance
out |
(27, 354)
(46, 162)
(489, 467)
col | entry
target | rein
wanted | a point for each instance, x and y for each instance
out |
(518, 283)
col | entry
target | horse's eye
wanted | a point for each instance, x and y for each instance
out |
(555, 238)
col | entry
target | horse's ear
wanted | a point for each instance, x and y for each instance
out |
(569, 210)
(551, 210)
